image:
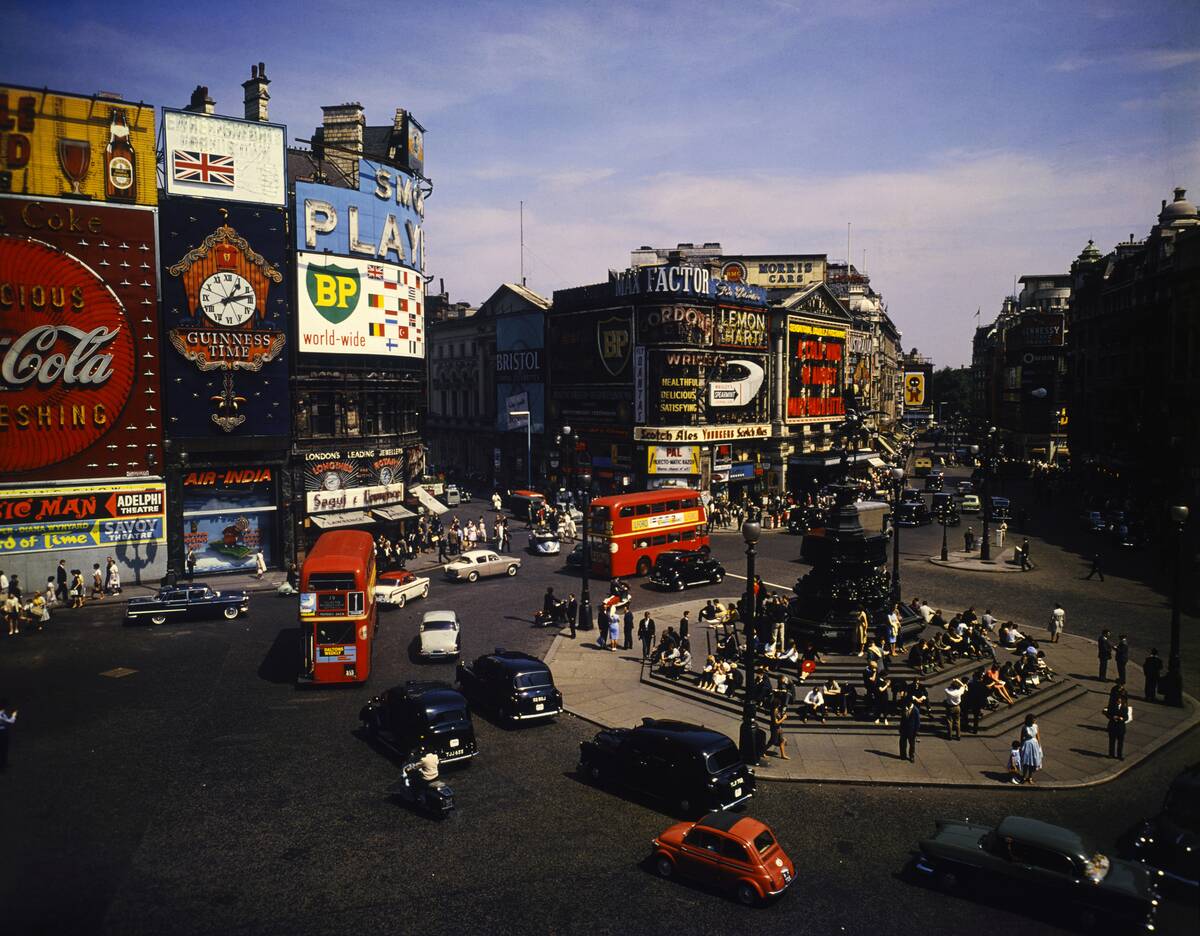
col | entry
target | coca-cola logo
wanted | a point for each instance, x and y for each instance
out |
(67, 355)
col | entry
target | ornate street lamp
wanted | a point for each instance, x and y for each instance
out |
(985, 548)
(945, 522)
(584, 477)
(749, 746)
(1173, 684)
(898, 482)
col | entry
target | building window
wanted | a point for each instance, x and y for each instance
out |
(320, 410)
(351, 415)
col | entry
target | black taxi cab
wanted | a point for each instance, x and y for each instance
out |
(515, 686)
(422, 715)
(691, 768)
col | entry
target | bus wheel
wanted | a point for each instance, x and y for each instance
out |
(643, 566)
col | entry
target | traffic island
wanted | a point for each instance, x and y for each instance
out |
(614, 690)
(1003, 561)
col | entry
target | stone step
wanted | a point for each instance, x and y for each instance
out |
(992, 723)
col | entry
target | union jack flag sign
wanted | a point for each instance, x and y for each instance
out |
(205, 168)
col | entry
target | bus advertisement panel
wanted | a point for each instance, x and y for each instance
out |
(629, 531)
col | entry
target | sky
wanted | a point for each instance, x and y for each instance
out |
(965, 144)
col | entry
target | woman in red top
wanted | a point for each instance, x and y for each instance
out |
(997, 685)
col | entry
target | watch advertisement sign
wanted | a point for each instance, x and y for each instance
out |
(225, 306)
(79, 388)
(223, 157)
(673, 459)
(354, 479)
(228, 515)
(381, 221)
(359, 307)
(96, 149)
(816, 370)
(81, 516)
(705, 388)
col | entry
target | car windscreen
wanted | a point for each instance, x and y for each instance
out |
(438, 625)
(723, 758)
(763, 842)
(529, 680)
(335, 632)
(446, 717)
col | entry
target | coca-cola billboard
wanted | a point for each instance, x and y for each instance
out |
(79, 389)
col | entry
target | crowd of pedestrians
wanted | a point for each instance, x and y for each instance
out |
(29, 609)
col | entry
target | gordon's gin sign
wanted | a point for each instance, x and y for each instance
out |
(79, 388)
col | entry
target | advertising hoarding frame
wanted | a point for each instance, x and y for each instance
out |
(818, 331)
(173, 122)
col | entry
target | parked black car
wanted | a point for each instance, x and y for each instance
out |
(913, 514)
(422, 714)
(1170, 841)
(516, 686)
(192, 602)
(693, 769)
(911, 496)
(934, 480)
(1048, 865)
(575, 556)
(677, 570)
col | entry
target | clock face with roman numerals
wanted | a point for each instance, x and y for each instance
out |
(227, 298)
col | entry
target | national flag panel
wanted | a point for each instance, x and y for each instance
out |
(204, 168)
(377, 330)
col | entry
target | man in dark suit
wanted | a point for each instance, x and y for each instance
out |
(629, 626)
(60, 579)
(1152, 668)
(910, 725)
(684, 623)
(646, 632)
(1103, 654)
(572, 612)
(1122, 658)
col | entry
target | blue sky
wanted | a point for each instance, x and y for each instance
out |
(966, 143)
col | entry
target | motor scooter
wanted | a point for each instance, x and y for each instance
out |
(435, 799)
(556, 618)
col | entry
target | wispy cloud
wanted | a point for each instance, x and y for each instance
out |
(1138, 60)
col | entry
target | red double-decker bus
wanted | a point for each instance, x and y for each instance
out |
(337, 608)
(628, 531)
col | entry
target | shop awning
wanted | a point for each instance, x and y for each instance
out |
(876, 462)
(886, 445)
(428, 501)
(393, 512)
(342, 518)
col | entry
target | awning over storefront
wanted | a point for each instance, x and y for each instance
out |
(876, 462)
(886, 445)
(829, 459)
(428, 501)
(342, 518)
(394, 512)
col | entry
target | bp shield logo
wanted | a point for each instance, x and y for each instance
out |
(615, 344)
(333, 291)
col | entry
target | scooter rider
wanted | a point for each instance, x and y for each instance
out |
(422, 771)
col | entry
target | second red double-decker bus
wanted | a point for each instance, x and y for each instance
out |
(337, 608)
(629, 530)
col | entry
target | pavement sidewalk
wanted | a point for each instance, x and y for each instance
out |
(1002, 561)
(606, 688)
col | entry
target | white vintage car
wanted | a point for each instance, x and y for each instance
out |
(439, 635)
(478, 563)
(393, 589)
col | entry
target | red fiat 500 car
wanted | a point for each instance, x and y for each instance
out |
(726, 851)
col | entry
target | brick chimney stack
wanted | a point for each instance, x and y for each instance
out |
(257, 95)
(342, 127)
(201, 103)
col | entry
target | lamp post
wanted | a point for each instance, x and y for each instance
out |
(528, 445)
(985, 548)
(1173, 688)
(584, 476)
(898, 479)
(945, 521)
(749, 747)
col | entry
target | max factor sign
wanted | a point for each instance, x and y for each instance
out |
(682, 281)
